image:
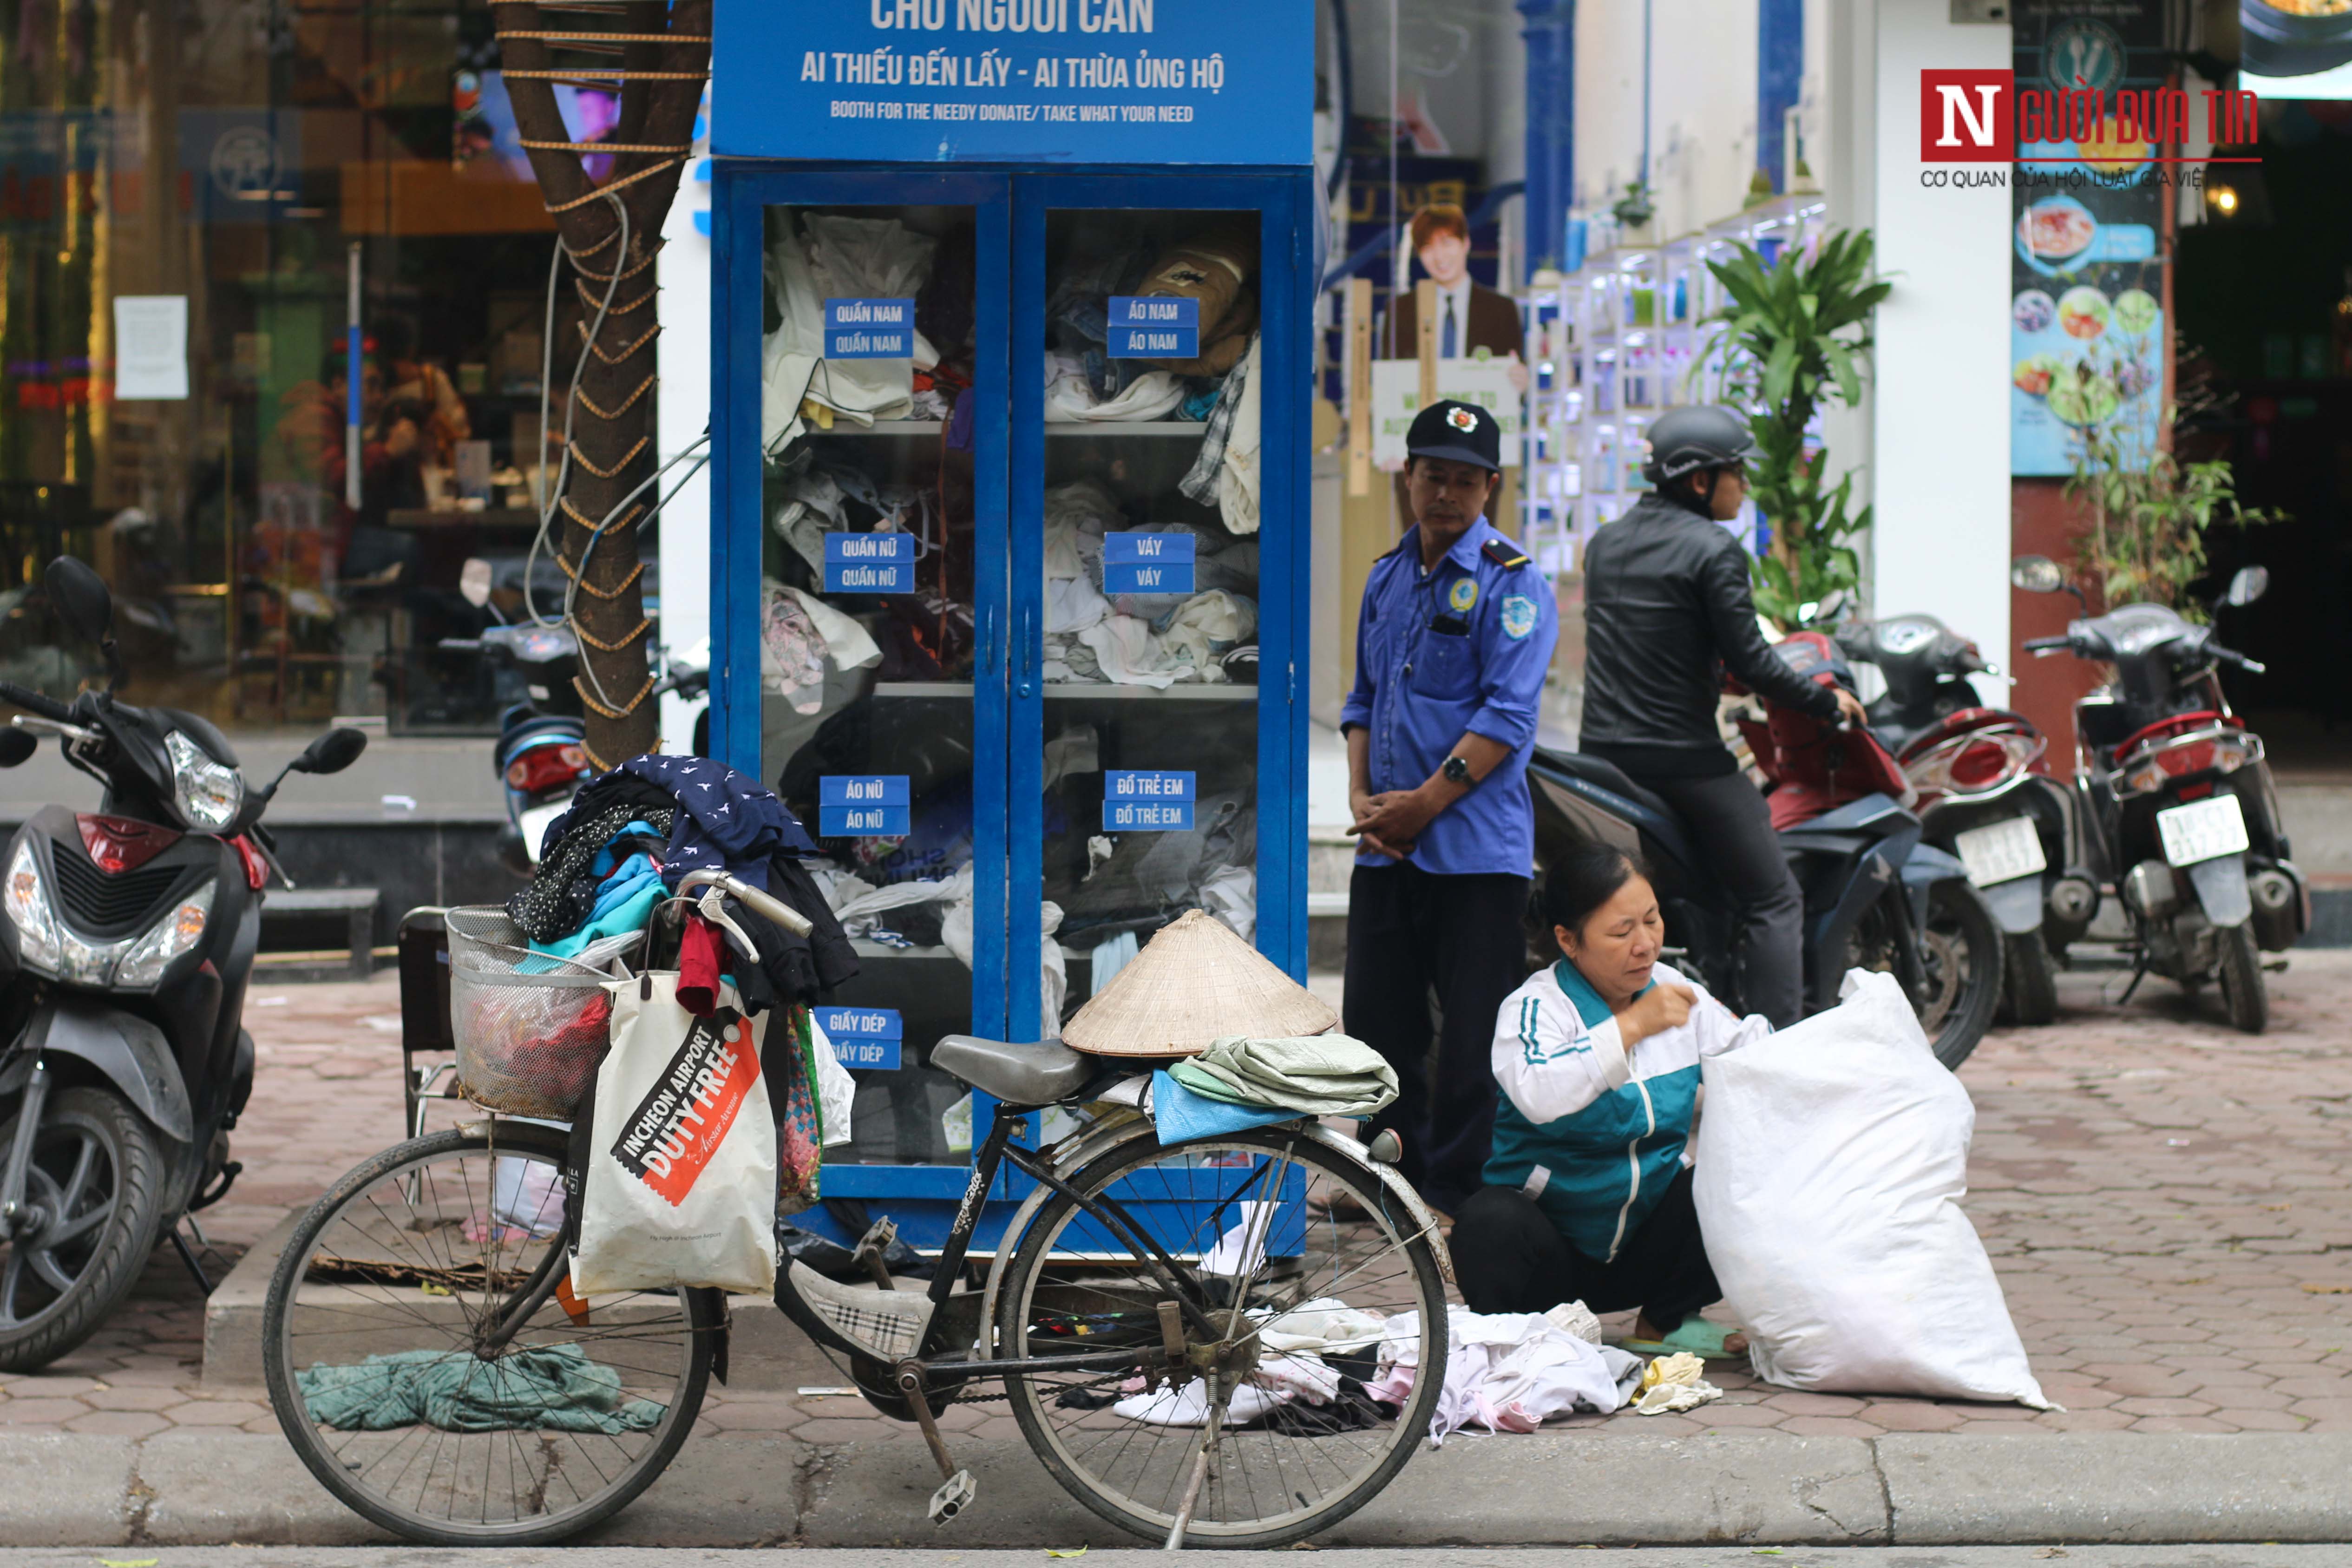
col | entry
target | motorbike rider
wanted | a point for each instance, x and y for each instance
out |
(1667, 610)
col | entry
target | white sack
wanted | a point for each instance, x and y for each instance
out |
(681, 1186)
(1831, 1161)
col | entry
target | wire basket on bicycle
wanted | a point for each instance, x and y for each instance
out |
(529, 1027)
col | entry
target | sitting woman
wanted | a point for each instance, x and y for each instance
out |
(1588, 1193)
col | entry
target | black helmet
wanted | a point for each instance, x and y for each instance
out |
(1684, 440)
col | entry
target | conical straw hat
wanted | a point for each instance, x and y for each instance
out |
(1193, 983)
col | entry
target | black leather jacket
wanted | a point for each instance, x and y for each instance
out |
(1666, 612)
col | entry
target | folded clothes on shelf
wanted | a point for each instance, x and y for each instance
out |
(822, 256)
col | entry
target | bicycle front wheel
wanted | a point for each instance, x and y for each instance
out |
(1305, 1376)
(390, 1380)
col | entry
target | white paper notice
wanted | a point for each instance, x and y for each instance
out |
(151, 346)
(1396, 398)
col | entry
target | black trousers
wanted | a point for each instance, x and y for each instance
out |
(1410, 933)
(1509, 1258)
(1734, 827)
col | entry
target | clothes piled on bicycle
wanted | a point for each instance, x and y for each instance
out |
(633, 833)
(1319, 1074)
(537, 1388)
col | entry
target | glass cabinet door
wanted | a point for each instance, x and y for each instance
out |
(880, 593)
(1138, 572)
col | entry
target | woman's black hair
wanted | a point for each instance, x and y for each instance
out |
(1586, 878)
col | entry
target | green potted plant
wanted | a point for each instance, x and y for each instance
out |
(2150, 510)
(1795, 339)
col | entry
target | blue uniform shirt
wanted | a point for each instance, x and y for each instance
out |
(1438, 653)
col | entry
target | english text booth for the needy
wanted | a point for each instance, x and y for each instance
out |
(1009, 534)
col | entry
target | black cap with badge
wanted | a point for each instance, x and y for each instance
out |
(1456, 433)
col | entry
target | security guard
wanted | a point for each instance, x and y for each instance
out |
(1456, 632)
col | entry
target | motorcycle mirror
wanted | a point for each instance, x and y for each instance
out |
(15, 746)
(2250, 584)
(331, 753)
(81, 598)
(474, 583)
(2036, 574)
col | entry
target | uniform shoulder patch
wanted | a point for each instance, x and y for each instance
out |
(1518, 616)
(1503, 552)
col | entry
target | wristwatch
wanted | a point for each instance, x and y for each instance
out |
(1457, 770)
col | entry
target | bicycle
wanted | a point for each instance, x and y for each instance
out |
(1144, 1314)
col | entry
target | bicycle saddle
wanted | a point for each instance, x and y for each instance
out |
(1038, 1074)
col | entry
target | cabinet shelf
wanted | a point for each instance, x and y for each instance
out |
(922, 689)
(1192, 427)
(1105, 691)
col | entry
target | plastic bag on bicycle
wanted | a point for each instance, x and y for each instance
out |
(680, 1158)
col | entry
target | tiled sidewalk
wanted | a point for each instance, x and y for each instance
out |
(2166, 1200)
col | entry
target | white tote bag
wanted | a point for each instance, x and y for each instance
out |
(681, 1182)
(1830, 1164)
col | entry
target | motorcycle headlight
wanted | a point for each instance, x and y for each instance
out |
(207, 793)
(26, 900)
(174, 934)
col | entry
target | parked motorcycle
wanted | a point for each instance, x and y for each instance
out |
(1877, 895)
(1985, 795)
(2180, 813)
(541, 755)
(128, 937)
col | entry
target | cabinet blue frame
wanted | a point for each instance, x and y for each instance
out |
(1010, 206)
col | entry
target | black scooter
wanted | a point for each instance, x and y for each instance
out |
(127, 935)
(2180, 815)
(1986, 794)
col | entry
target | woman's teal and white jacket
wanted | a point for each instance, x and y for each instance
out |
(1595, 1135)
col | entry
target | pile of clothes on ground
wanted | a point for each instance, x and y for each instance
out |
(1325, 1366)
(1207, 637)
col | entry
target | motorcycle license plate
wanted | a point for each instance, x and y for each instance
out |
(2203, 830)
(2000, 851)
(533, 824)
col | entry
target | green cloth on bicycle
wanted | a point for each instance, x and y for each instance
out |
(547, 1388)
(1315, 1075)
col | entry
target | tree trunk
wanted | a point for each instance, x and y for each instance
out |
(612, 450)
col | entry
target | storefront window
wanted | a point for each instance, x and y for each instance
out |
(186, 189)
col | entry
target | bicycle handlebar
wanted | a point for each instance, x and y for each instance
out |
(33, 701)
(2230, 656)
(765, 905)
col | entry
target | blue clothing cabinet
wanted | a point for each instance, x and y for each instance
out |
(992, 609)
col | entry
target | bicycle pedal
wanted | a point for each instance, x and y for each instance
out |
(955, 1494)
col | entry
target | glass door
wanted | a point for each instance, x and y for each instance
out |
(879, 611)
(1151, 557)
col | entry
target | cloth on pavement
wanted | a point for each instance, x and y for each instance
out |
(553, 1388)
(1319, 1074)
(1674, 1383)
(1508, 1372)
(1323, 1325)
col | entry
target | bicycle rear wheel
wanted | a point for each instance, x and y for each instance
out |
(375, 1351)
(1304, 1438)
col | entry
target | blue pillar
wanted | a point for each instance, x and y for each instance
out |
(1779, 74)
(1551, 34)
